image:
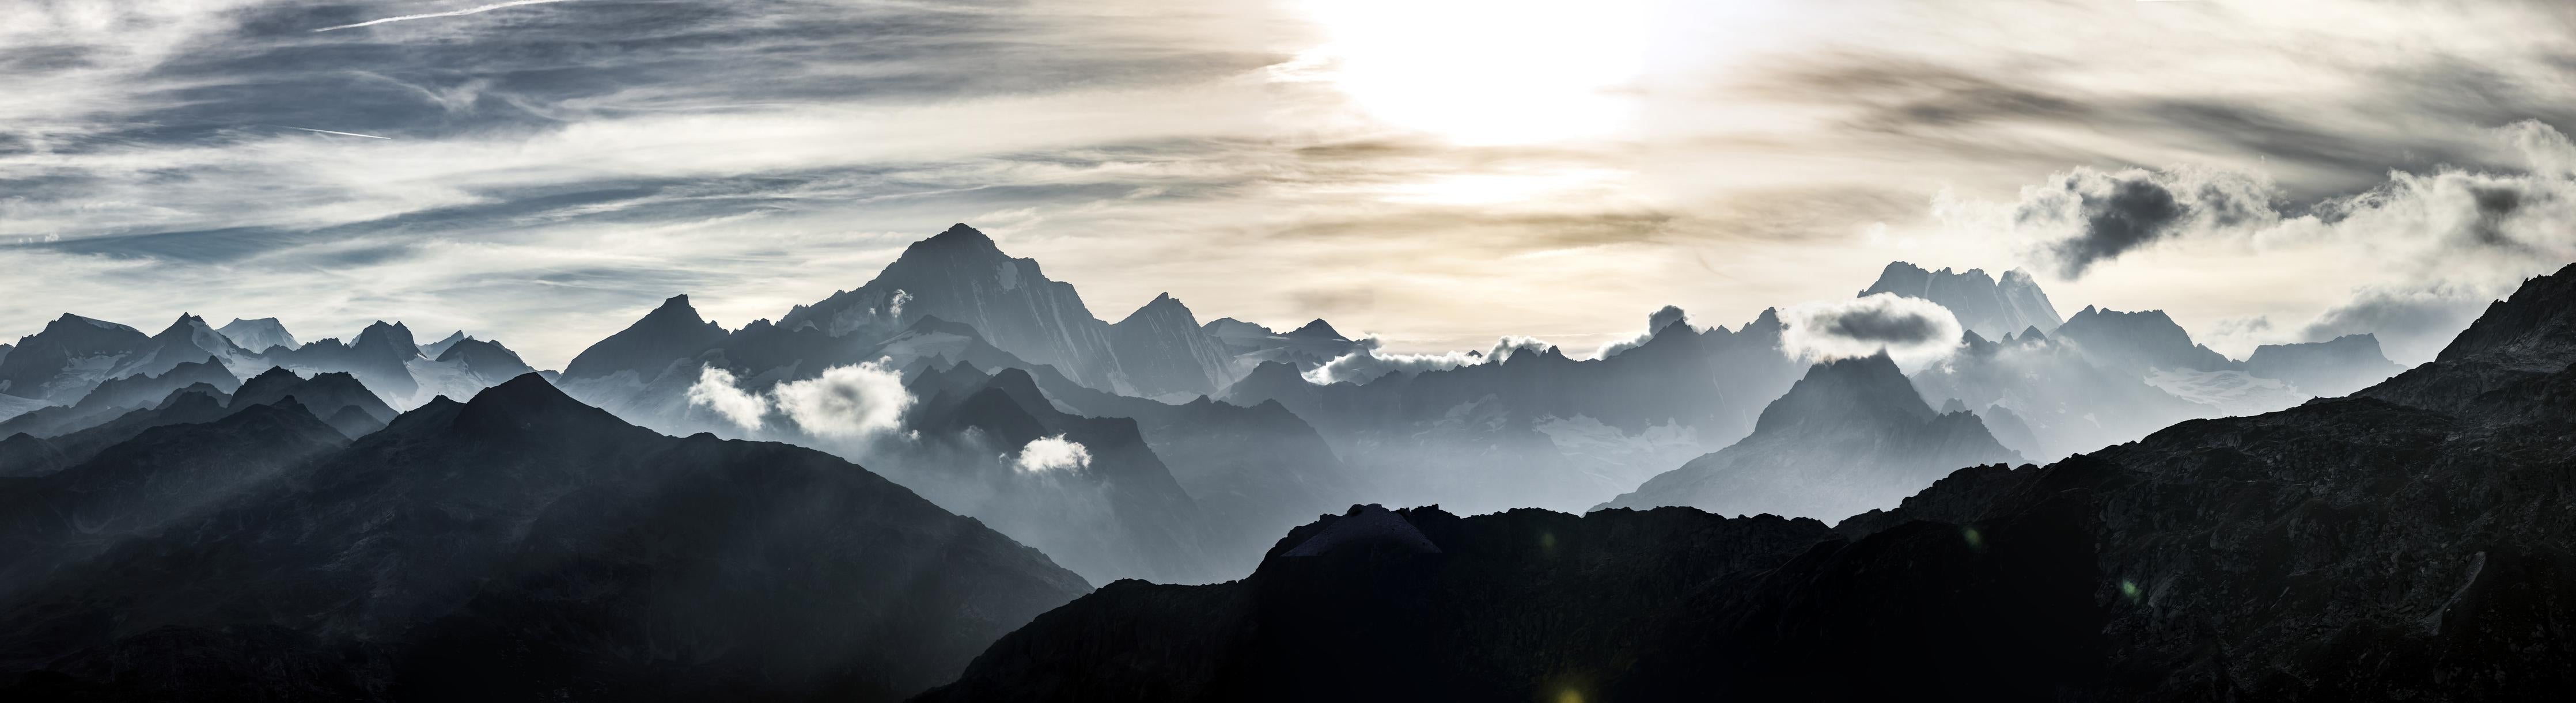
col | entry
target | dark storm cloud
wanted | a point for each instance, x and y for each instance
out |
(1884, 326)
(1910, 329)
(2099, 216)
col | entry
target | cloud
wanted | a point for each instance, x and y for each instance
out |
(1050, 454)
(2090, 216)
(344, 134)
(542, 189)
(1666, 316)
(1910, 330)
(845, 402)
(894, 307)
(715, 389)
(1369, 364)
(454, 13)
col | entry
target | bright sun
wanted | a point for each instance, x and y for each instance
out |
(1486, 72)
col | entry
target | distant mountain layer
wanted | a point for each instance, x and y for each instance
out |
(1541, 429)
(1984, 305)
(517, 545)
(74, 355)
(1851, 436)
(2329, 368)
(2410, 541)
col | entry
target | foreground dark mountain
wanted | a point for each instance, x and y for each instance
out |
(2411, 542)
(520, 546)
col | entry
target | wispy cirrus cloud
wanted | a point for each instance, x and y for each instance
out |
(476, 10)
(555, 171)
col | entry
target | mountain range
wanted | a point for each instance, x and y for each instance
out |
(2406, 542)
(682, 512)
(1851, 436)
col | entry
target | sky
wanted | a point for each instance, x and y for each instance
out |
(1438, 173)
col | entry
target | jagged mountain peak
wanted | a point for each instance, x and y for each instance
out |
(471, 348)
(1163, 307)
(1870, 386)
(529, 406)
(1317, 329)
(676, 305)
(389, 336)
(258, 335)
(1227, 327)
(1769, 320)
(960, 235)
(71, 319)
(1990, 307)
(528, 392)
(670, 332)
(1901, 274)
(435, 349)
(2139, 341)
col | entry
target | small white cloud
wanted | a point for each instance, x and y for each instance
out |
(1368, 364)
(715, 389)
(846, 401)
(894, 308)
(1050, 454)
(1912, 331)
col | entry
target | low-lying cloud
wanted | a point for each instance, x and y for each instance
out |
(846, 402)
(1052, 454)
(1368, 364)
(716, 389)
(1910, 330)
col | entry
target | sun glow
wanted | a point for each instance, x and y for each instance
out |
(1485, 72)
